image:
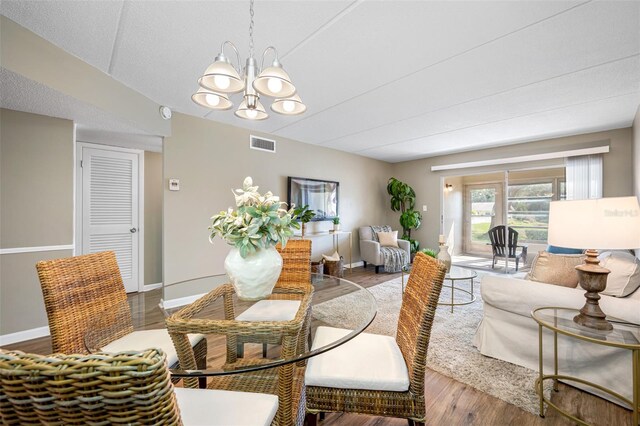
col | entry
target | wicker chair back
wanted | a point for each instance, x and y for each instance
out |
(79, 291)
(418, 310)
(124, 388)
(296, 264)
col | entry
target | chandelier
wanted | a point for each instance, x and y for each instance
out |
(221, 79)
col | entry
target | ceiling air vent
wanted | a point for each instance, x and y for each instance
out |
(262, 144)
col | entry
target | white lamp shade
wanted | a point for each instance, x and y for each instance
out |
(258, 113)
(274, 82)
(221, 77)
(289, 106)
(604, 223)
(212, 100)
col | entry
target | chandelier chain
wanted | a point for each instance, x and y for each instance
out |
(251, 29)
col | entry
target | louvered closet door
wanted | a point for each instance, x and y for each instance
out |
(110, 208)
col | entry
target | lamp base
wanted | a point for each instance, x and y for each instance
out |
(593, 278)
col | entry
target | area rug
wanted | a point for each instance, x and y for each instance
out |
(451, 351)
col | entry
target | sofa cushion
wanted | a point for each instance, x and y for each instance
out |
(388, 239)
(521, 297)
(558, 269)
(368, 361)
(624, 278)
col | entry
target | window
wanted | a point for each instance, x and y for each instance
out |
(528, 208)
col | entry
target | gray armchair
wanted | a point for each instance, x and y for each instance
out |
(370, 249)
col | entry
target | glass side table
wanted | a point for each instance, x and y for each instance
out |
(459, 274)
(624, 335)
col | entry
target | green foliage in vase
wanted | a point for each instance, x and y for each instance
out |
(403, 199)
(430, 252)
(336, 220)
(303, 214)
(259, 221)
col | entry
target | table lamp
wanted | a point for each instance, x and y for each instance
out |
(604, 223)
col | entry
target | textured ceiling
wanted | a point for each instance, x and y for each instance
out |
(394, 80)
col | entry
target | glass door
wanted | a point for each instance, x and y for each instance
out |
(483, 210)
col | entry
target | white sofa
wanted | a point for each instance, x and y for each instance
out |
(508, 332)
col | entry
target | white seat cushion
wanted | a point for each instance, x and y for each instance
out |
(223, 408)
(368, 361)
(271, 310)
(145, 339)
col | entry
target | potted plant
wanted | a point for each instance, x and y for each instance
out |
(430, 252)
(336, 223)
(253, 229)
(303, 215)
(403, 199)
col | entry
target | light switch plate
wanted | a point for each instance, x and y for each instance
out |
(424, 207)
(174, 184)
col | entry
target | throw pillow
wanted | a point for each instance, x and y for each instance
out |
(624, 278)
(563, 250)
(388, 239)
(558, 269)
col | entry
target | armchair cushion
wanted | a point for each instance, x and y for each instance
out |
(271, 310)
(369, 361)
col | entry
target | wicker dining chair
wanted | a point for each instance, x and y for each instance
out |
(122, 388)
(296, 275)
(86, 292)
(342, 379)
(286, 381)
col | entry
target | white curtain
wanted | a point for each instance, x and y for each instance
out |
(584, 177)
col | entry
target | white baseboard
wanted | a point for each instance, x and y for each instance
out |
(180, 301)
(354, 264)
(149, 287)
(21, 336)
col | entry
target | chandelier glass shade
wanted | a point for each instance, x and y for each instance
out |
(288, 106)
(222, 78)
(211, 99)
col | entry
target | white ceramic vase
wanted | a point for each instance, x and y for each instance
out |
(254, 276)
(445, 257)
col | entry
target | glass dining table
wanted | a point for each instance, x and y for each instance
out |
(158, 307)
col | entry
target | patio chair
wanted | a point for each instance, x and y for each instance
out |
(374, 374)
(120, 388)
(508, 248)
(82, 290)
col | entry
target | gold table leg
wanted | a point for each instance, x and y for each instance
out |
(541, 372)
(636, 387)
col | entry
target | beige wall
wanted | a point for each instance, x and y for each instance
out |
(618, 168)
(636, 154)
(212, 158)
(36, 201)
(152, 217)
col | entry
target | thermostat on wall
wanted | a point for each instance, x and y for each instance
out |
(174, 184)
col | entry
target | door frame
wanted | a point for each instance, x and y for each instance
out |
(467, 244)
(79, 201)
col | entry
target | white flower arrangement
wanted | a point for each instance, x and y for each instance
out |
(260, 221)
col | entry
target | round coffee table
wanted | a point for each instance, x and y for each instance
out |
(459, 274)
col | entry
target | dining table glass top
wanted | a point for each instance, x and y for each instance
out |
(327, 307)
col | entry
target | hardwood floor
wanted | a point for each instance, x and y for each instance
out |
(448, 402)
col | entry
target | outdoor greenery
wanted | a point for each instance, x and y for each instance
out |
(403, 199)
(260, 221)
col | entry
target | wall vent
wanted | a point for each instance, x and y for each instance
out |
(262, 144)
